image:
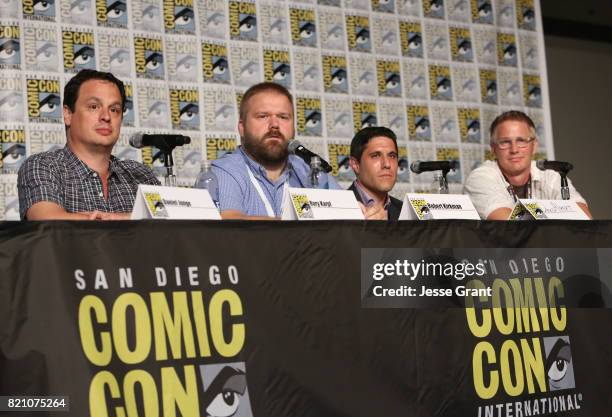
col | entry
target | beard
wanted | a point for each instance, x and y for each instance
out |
(265, 151)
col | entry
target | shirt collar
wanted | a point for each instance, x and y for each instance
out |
(81, 169)
(367, 198)
(259, 170)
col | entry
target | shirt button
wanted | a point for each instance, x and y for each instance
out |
(101, 195)
(94, 175)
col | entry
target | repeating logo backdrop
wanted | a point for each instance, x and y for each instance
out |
(436, 72)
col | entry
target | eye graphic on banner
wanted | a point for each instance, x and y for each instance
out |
(111, 13)
(419, 126)
(243, 20)
(10, 45)
(44, 105)
(39, 10)
(179, 17)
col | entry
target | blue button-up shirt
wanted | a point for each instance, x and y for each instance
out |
(237, 192)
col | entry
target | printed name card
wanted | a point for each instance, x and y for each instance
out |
(315, 204)
(157, 202)
(437, 207)
(532, 209)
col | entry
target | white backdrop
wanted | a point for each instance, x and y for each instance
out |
(437, 72)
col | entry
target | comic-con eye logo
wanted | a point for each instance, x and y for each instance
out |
(308, 115)
(243, 21)
(532, 90)
(111, 13)
(225, 390)
(482, 11)
(364, 115)
(44, 104)
(78, 50)
(559, 366)
(411, 39)
(506, 49)
(339, 157)
(277, 67)
(433, 9)
(179, 16)
(215, 63)
(184, 109)
(334, 74)
(149, 57)
(488, 86)
(440, 86)
(156, 205)
(384, 6)
(358, 33)
(303, 27)
(461, 45)
(525, 14)
(39, 9)
(418, 123)
(11, 101)
(43, 101)
(9, 47)
(13, 150)
(146, 15)
(76, 11)
(302, 206)
(40, 48)
(469, 125)
(216, 147)
(389, 82)
(421, 208)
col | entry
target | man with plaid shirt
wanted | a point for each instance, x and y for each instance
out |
(83, 181)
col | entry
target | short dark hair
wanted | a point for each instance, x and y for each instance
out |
(260, 88)
(511, 115)
(71, 90)
(361, 139)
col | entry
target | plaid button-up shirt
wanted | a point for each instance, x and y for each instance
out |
(60, 177)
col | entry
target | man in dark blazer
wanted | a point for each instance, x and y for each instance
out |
(374, 159)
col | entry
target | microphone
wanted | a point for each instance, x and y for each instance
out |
(296, 148)
(423, 166)
(164, 142)
(558, 166)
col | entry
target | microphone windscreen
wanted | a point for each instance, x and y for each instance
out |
(540, 164)
(293, 146)
(416, 167)
(136, 140)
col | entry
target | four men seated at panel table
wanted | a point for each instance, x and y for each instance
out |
(85, 181)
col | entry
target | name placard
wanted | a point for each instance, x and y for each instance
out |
(173, 203)
(315, 204)
(532, 209)
(437, 207)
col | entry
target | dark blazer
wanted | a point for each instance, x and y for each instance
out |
(394, 208)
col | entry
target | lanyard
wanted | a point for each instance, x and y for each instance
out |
(261, 193)
(513, 194)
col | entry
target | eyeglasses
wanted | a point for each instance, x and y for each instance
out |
(506, 143)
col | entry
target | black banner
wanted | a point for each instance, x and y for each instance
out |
(183, 318)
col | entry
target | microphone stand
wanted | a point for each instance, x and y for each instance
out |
(565, 192)
(169, 177)
(443, 184)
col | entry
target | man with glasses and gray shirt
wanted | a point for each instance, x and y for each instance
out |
(495, 186)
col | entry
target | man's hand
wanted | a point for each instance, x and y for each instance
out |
(374, 212)
(102, 215)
